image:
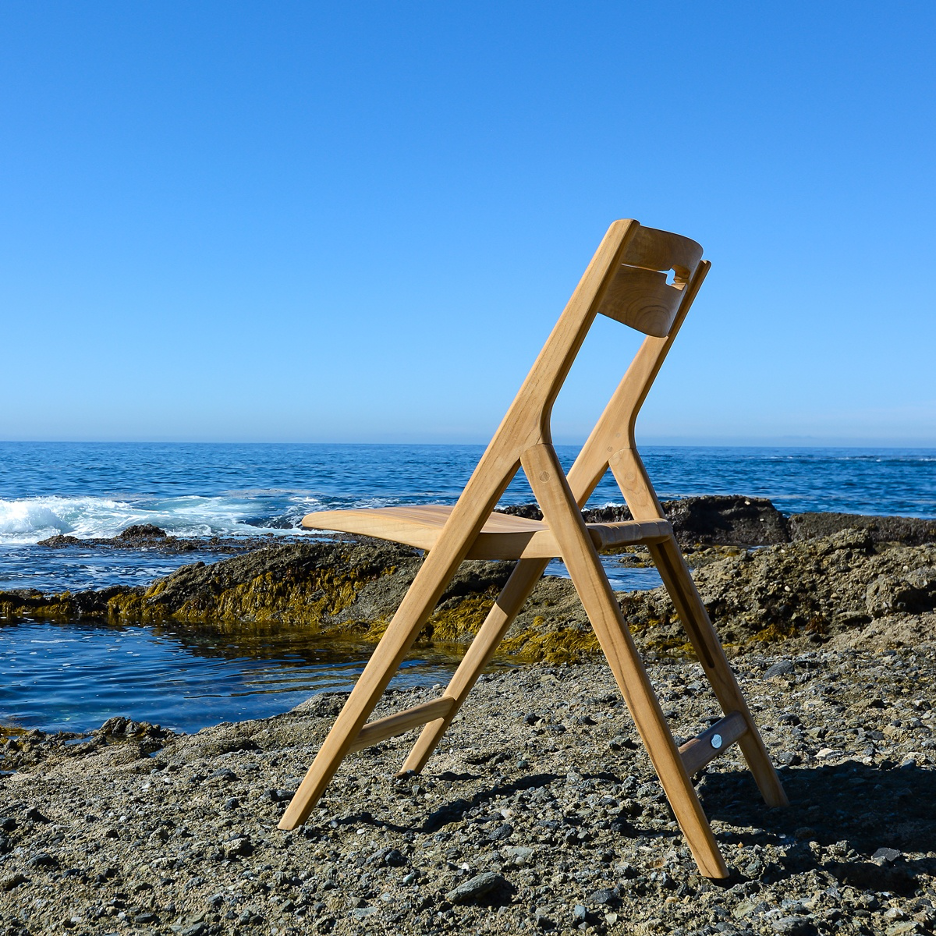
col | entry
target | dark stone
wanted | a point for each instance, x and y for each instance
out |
(42, 860)
(224, 774)
(59, 541)
(501, 833)
(727, 521)
(141, 531)
(393, 858)
(604, 897)
(887, 855)
(278, 796)
(910, 531)
(724, 520)
(794, 926)
(783, 668)
(478, 886)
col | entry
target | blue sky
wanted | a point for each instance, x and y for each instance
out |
(358, 222)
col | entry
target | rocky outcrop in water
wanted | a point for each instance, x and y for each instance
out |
(734, 520)
(812, 589)
(148, 536)
(717, 519)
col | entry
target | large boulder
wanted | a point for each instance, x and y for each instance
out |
(725, 520)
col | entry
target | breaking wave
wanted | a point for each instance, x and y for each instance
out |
(28, 520)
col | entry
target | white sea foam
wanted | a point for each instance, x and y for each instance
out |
(31, 519)
(24, 521)
(28, 520)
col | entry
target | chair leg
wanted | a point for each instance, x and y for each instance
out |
(511, 599)
(708, 648)
(414, 610)
(565, 520)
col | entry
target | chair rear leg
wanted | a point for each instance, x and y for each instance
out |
(522, 581)
(549, 485)
(688, 603)
(409, 619)
(619, 648)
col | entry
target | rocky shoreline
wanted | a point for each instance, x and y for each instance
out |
(540, 812)
(808, 578)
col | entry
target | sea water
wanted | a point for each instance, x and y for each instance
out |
(67, 675)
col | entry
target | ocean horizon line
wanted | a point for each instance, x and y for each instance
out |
(789, 442)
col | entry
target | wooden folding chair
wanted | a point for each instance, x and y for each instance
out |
(627, 281)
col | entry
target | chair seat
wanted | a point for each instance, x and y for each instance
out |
(502, 536)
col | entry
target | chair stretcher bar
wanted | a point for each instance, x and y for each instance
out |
(713, 741)
(404, 721)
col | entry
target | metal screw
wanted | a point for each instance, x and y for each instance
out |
(716, 741)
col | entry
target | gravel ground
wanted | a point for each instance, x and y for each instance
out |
(539, 813)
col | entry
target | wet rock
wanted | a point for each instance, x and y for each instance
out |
(727, 520)
(141, 531)
(60, 541)
(118, 725)
(846, 585)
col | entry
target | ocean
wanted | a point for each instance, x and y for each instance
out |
(73, 676)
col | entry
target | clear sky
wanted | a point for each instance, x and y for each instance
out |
(303, 221)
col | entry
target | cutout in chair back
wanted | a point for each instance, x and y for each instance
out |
(639, 294)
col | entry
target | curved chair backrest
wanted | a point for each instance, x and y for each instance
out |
(639, 293)
(627, 281)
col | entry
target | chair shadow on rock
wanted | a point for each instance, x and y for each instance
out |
(870, 815)
(646, 279)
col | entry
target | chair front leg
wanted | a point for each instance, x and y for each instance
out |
(435, 573)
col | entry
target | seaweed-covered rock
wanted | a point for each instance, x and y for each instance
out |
(814, 589)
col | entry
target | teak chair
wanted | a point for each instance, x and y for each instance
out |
(627, 281)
